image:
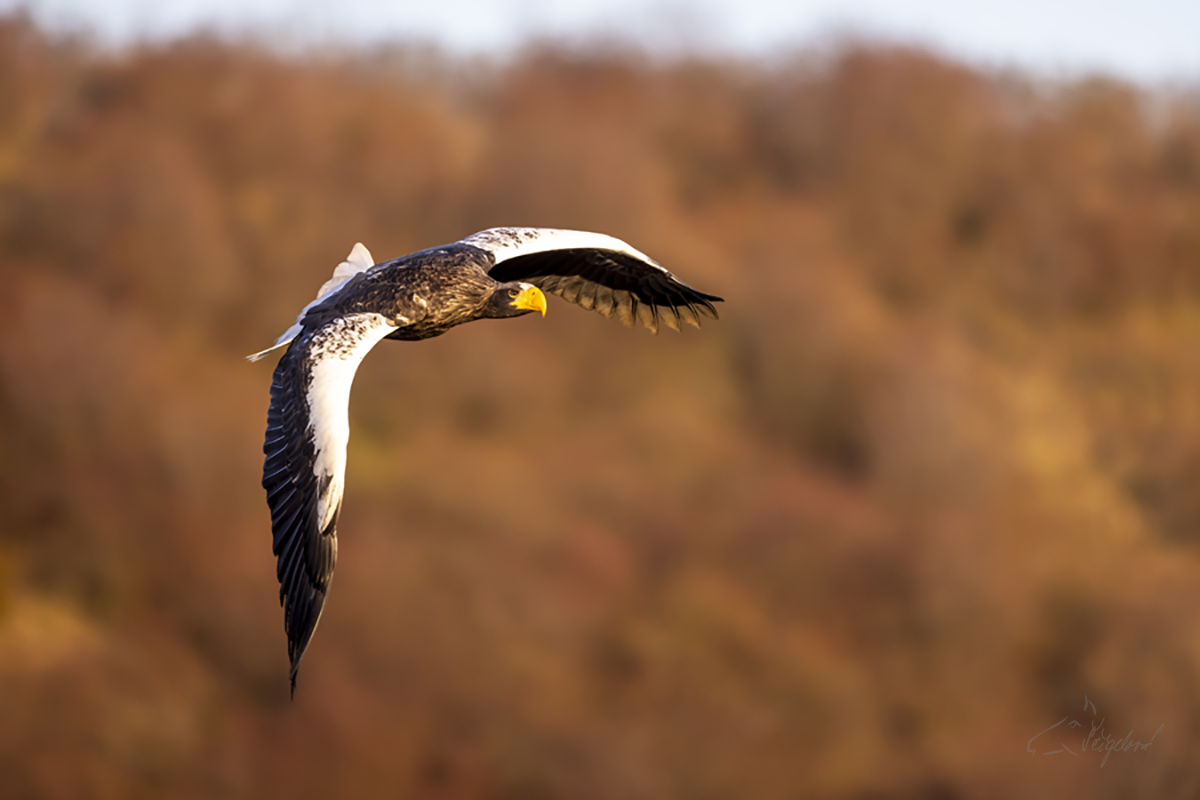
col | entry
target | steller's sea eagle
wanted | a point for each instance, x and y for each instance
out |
(496, 273)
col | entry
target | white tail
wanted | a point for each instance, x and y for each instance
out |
(359, 260)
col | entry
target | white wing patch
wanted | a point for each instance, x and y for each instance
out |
(359, 260)
(506, 243)
(336, 353)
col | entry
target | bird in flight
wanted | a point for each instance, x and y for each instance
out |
(493, 274)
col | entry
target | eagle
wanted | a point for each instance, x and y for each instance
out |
(493, 274)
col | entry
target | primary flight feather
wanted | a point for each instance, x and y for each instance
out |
(497, 273)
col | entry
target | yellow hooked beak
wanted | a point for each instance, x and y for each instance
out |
(531, 299)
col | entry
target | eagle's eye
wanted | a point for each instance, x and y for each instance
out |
(513, 292)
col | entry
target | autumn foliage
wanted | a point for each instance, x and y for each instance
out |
(931, 480)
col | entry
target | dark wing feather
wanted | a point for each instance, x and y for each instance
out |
(306, 555)
(610, 282)
(308, 429)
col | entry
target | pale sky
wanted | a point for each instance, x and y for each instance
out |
(1148, 40)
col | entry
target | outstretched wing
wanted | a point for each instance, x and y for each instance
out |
(597, 272)
(308, 428)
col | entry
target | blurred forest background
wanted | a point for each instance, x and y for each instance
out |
(930, 481)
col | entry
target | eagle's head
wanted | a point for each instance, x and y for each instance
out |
(514, 299)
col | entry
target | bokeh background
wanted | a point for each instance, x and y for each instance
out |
(929, 483)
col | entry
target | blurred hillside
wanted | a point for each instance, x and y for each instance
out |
(930, 481)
